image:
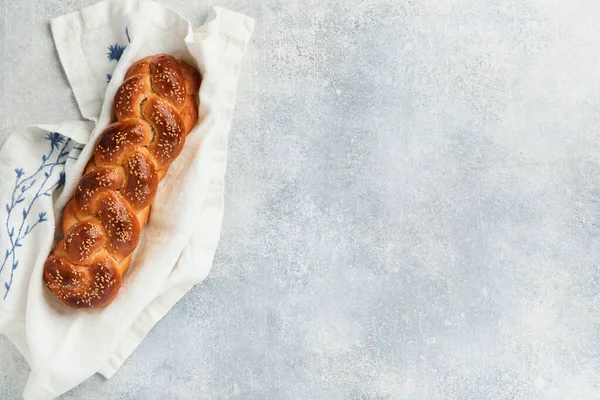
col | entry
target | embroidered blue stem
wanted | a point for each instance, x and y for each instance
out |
(55, 139)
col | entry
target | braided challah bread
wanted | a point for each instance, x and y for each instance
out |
(155, 109)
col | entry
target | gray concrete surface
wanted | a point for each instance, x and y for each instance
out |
(413, 205)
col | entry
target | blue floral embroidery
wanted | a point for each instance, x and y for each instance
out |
(37, 183)
(115, 51)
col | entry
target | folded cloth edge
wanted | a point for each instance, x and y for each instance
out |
(87, 98)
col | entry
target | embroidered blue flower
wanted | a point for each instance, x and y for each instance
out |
(42, 217)
(19, 172)
(55, 139)
(115, 51)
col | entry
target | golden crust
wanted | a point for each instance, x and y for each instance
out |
(169, 130)
(101, 225)
(119, 138)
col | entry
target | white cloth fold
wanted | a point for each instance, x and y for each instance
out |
(40, 166)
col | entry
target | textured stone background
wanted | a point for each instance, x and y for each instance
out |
(413, 205)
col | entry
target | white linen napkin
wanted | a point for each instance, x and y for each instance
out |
(40, 167)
